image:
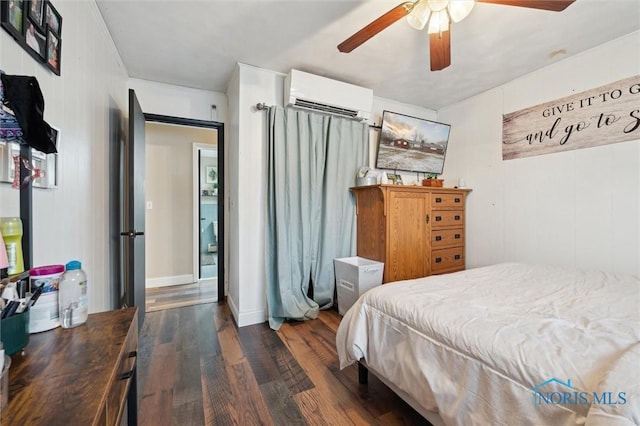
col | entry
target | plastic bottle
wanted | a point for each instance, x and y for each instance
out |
(11, 230)
(4, 260)
(72, 296)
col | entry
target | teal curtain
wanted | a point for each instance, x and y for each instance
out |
(312, 161)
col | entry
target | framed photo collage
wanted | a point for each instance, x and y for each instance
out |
(37, 26)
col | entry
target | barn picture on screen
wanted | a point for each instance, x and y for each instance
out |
(412, 144)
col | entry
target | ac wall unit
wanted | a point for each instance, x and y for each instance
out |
(309, 91)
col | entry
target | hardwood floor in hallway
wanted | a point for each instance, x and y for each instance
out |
(197, 368)
(176, 296)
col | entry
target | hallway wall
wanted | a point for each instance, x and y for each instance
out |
(169, 189)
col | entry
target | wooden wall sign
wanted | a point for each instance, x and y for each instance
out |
(605, 115)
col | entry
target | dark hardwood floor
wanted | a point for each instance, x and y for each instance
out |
(197, 368)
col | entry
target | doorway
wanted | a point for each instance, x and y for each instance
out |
(127, 193)
(173, 249)
(205, 220)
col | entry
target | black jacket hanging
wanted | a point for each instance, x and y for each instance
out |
(23, 96)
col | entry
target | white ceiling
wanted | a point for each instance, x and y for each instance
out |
(197, 43)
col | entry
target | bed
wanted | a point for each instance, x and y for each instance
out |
(504, 344)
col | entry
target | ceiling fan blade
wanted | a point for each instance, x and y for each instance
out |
(398, 12)
(553, 5)
(440, 50)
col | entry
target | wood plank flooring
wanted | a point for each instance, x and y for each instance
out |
(197, 368)
(176, 296)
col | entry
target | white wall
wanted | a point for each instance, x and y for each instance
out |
(247, 167)
(178, 101)
(71, 222)
(232, 130)
(576, 208)
(169, 189)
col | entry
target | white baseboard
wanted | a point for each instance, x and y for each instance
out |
(246, 318)
(168, 281)
(233, 307)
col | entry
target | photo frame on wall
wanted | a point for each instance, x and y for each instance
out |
(35, 12)
(48, 164)
(53, 51)
(212, 174)
(52, 18)
(34, 39)
(36, 25)
(12, 18)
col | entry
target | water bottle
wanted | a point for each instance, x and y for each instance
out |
(11, 230)
(72, 296)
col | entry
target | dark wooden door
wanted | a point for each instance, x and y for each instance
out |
(134, 197)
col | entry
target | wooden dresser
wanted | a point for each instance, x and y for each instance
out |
(416, 231)
(80, 376)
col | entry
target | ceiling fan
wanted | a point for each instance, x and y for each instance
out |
(437, 16)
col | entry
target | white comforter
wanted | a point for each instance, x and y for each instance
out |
(472, 345)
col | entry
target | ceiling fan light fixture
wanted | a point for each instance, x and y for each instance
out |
(419, 16)
(459, 9)
(438, 16)
(437, 5)
(438, 22)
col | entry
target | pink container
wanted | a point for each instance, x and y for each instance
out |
(44, 313)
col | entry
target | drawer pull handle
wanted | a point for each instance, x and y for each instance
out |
(438, 259)
(438, 200)
(456, 257)
(457, 200)
(427, 217)
(438, 218)
(457, 236)
(438, 238)
(457, 217)
(130, 373)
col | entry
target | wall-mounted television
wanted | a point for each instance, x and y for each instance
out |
(412, 144)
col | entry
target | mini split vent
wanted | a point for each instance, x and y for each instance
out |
(303, 103)
(312, 92)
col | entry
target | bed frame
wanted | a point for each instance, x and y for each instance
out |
(363, 378)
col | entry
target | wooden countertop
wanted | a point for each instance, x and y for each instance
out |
(65, 374)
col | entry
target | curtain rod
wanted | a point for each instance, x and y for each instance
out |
(261, 106)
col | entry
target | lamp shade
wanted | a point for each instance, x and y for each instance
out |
(459, 9)
(419, 16)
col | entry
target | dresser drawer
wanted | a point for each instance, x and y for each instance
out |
(122, 380)
(447, 201)
(447, 237)
(447, 260)
(447, 218)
